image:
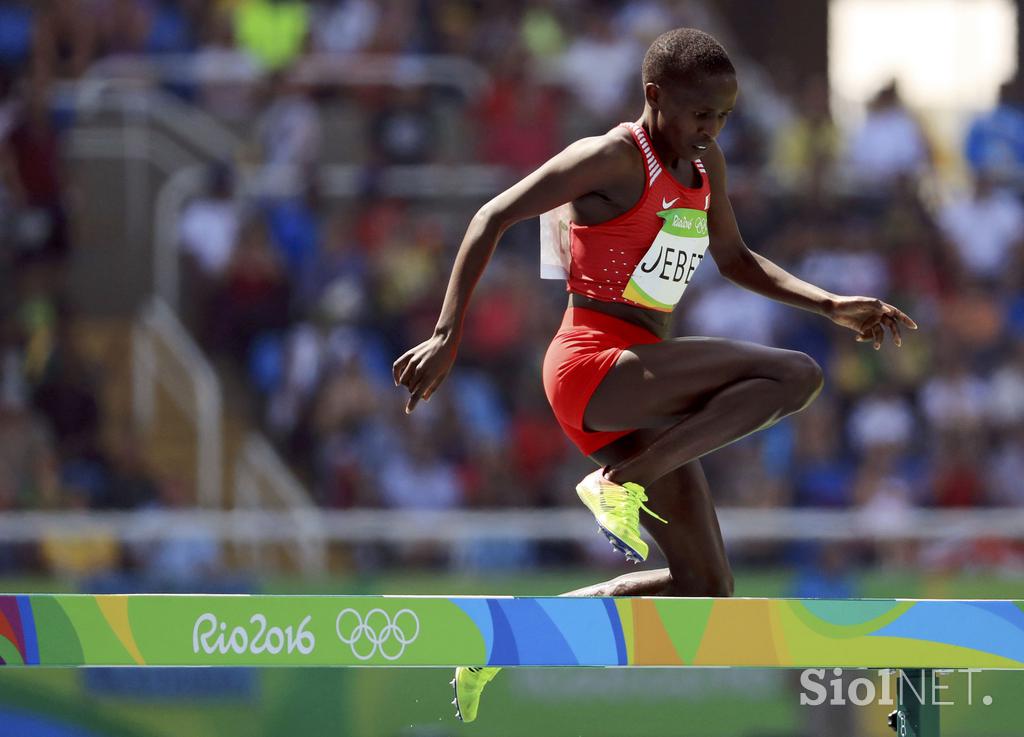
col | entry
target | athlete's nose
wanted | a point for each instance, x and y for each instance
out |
(711, 130)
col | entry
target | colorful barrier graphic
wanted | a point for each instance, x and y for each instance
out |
(264, 630)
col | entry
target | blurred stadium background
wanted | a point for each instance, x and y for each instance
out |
(221, 222)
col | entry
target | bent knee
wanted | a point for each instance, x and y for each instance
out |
(803, 379)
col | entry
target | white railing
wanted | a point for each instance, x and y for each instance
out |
(137, 105)
(141, 139)
(261, 477)
(450, 527)
(181, 368)
(163, 354)
(176, 190)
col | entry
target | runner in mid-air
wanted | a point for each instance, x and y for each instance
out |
(645, 200)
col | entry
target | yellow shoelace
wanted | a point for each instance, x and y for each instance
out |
(635, 499)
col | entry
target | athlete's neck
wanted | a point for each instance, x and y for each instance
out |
(668, 157)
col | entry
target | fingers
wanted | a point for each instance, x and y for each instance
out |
(407, 371)
(433, 385)
(422, 390)
(872, 332)
(889, 317)
(877, 334)
(901, 316)
(400, 367)
(414, 393)
(894, 328)
(415, 384)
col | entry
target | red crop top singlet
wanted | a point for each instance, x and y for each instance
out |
(647, 255)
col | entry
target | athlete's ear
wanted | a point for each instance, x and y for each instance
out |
(652, 92)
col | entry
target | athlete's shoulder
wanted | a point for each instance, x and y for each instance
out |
(614, 151)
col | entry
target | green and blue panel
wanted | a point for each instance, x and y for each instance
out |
(266, 630)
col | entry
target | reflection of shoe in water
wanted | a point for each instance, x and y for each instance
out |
(617, 509)
(469, 684)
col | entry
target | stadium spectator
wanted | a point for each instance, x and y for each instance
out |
(172, 562)
(954, 397)
(65, 39)
(1005, 408)
(881, 419)
(345, 26)
(888, 145)
(289, 132)
(225, 75)
(66, 394)
(1004, 469)
(822, 472)
(130, 483)
(419, 477)
(519, 116)
(986, 229)
(16, 23)
(123, 26)
(253, 298)
(32, 166)
(543, 32)
(337, 272)
(995, 140)
(294, 223)
(805, 150)
(601, 46)
(207, 233)
(403, 129)
(28, 454)
(956, 475)
(274, 31)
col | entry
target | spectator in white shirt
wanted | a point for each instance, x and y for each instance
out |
(889, 144)
(985, 229)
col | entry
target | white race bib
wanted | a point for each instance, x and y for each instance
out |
(659, 280)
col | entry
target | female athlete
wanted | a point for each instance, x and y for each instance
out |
(647, 200)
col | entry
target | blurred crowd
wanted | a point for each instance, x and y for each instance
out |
(311, 297)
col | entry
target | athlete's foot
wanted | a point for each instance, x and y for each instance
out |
(469, 684)
(617, 510)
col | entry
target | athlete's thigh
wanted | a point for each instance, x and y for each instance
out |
(652, 385)
(692, 540)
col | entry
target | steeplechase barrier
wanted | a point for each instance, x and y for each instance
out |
(917, 636)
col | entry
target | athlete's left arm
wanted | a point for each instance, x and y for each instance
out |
(737, 263)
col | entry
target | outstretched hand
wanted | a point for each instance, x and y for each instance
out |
(868, 317)
(423, 368)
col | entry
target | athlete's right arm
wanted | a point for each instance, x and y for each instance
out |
(586, 166)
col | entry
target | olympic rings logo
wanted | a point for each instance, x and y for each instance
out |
(377, 632)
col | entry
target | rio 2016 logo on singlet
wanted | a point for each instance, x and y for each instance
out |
(659, 280)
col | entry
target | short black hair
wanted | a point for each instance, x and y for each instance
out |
(685, 55)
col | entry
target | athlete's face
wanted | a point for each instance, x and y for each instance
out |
(687, 118)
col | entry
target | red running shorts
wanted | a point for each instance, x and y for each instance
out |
(584, 349)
